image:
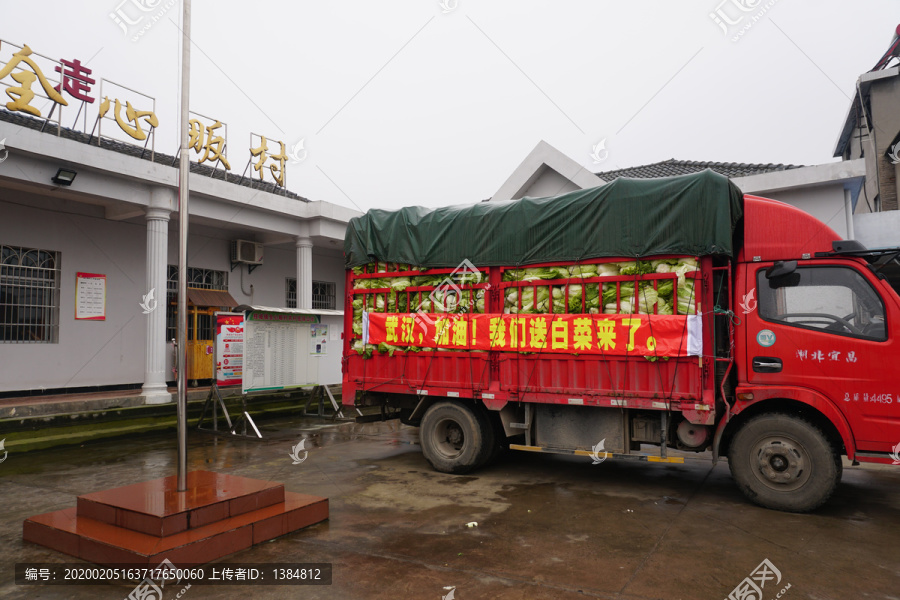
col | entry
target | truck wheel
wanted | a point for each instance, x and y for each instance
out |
(784, 462)
(455, 438)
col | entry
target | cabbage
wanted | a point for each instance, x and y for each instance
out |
(470, 277)
(686, 300)
(607, 270)
(583, 271)
(609, 292)
(664, 289)
(575, 294)
(635, 268)
(655, 265)
(363, 349)
(383, 347)
(398, 284)
(533, 273)
(559, 299)
(647, 297)
(371, 284)
(512, 275)
(626, 308)
(382, 267)
(427, 280)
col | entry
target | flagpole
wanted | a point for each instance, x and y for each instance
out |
(184, 169)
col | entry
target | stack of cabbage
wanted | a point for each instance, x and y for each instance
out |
(598, 298)
(444, 299)
(591, 298)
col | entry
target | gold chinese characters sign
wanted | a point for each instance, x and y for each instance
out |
(135, 120)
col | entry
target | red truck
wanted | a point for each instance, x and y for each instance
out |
(625, 321)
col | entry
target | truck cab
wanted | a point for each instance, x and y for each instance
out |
(815, 356)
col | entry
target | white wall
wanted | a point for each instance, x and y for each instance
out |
(825, 203)
(878, 230)
(89, 352)
(550, 183)
(111, 352)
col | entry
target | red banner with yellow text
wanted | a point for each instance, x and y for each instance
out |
(619, 335)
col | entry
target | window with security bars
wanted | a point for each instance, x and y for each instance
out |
(206, 279)
(323, 295)
(290, 292)
(29, 295)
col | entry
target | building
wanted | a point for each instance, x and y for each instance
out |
(871, 133)
(78, 209)
(826, 191)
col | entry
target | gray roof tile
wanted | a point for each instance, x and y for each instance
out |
(672, 167)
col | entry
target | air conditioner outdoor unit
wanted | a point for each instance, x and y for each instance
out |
(243, 251)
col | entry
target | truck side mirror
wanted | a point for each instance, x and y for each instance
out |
(781, 268)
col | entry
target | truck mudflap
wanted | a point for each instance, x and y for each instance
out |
(599, 455)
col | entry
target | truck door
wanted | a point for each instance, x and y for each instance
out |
(824, 327)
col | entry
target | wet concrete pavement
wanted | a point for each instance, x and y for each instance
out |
(548, 526)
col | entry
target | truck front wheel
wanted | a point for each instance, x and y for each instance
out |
(455, 439)
(784, 462)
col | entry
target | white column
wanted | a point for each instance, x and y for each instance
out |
(304, 272)
(154, 389)
(848, 214)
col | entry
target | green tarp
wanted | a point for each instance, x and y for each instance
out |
(691, 214)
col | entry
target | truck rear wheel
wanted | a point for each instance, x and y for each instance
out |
(455, 438)
(784, 462)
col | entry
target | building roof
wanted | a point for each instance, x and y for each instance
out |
(50, 128)
(672, 167)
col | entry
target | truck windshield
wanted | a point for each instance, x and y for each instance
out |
(838, 300)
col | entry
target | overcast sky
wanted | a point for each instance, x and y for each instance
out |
(435, 103)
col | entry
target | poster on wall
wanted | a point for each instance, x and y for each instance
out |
(229, 348)
(318, 338)
(90, 297)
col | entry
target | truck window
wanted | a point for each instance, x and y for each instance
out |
(834, 299)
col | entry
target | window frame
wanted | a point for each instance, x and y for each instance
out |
(49, 294)
(327, 301)
(762, 280)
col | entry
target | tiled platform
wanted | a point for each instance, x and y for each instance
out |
(150, 521)
(155, 508)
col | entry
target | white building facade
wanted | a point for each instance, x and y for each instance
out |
(117, 222)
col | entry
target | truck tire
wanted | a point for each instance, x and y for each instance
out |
(784, 462)
(455, 438)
